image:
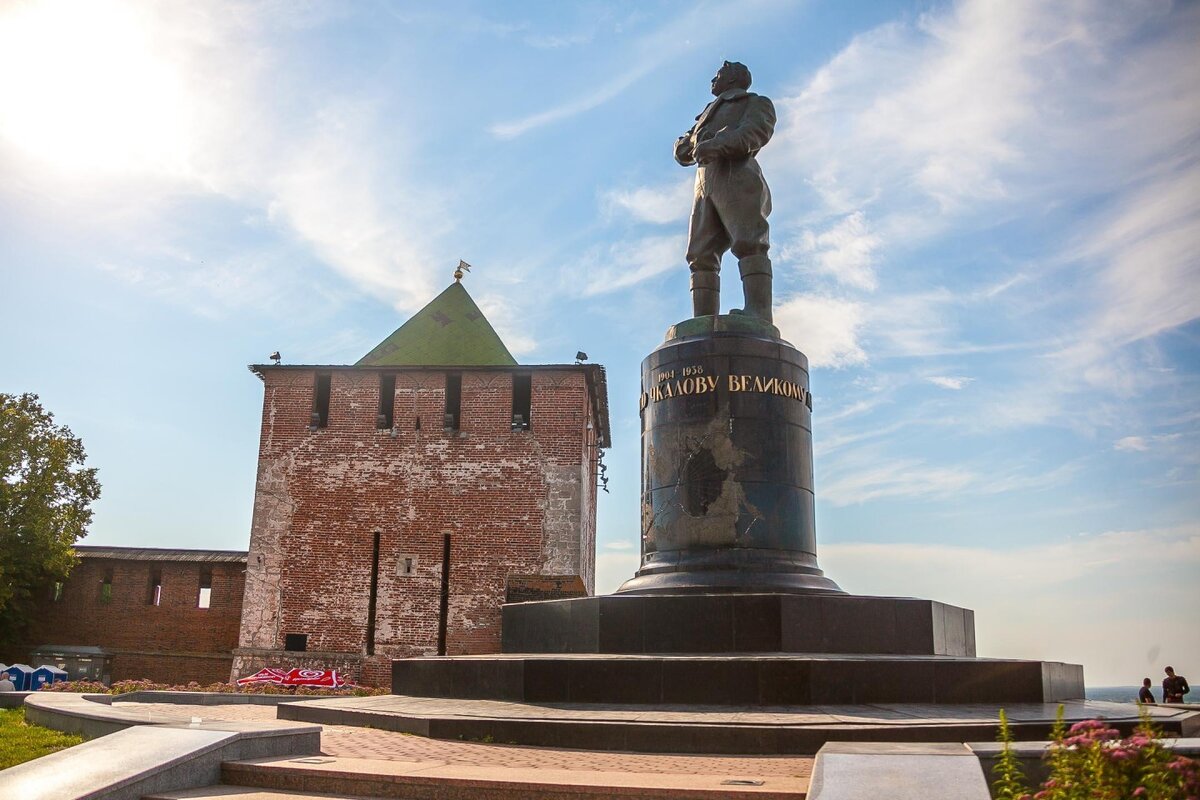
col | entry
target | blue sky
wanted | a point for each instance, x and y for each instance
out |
(986, 238)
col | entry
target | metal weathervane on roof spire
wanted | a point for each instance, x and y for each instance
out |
(460, 269)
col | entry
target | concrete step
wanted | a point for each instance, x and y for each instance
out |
(224, 792)
(436, 780)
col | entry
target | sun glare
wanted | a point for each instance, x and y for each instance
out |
(84, 86)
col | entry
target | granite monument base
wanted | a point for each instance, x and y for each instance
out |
(727, 476)
(738, 680)
(739, 623)
(769, 649)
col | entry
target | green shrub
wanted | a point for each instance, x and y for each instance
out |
(1010, 779)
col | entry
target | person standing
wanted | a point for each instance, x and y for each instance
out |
(1174, 687)
(1144, 694)
(5, 684)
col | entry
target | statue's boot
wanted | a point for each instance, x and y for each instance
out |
(756, 285)
(706, 293)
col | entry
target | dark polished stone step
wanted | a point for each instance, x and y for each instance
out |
(739, 623)
(768, 679)
(710, 729)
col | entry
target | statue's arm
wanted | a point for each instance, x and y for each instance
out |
(751, 134)
(685, 149)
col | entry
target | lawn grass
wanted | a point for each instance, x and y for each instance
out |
(21, 742)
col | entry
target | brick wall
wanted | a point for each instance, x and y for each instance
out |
(513, 503)
(173, 642)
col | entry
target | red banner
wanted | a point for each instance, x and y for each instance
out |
(264, 675)
(324, 678)
(327, 678)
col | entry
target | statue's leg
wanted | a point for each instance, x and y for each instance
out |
(706, 293)
(707, 240)
(755, 268)
(756, 285)
(744, 201)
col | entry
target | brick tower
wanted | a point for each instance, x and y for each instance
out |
(400, 501)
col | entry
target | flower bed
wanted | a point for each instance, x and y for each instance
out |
(1091, 761)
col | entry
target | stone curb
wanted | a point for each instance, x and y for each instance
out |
(215, 698)
(13, 699)
(872, 770)
(132, 753)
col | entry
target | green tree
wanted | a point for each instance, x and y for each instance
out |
(46, 495)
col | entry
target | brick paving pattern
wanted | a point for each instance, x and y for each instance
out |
(352, 742)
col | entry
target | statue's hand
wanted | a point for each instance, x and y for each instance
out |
(683, 150)
(707, 151)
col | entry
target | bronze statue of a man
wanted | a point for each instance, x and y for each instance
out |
(732, 199)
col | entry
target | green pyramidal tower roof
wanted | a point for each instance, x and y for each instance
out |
(449, 332)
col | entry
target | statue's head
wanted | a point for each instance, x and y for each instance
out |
(732, 74)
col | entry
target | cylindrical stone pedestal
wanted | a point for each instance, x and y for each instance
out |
(727, 476)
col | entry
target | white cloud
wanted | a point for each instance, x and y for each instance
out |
(914, 324)
(893, 478)
(307, 160)
(695, 28)
(1057, 600)
(826, 329)
(980, 113)
(625, 264)
(328, 190)
(1136, 443)
(212, 288)
(1143, 444)
(619, 544)
(559, 41)
(984, 101)
(949, 381)
(614, 568)
(510, 129)
(852, 410)
(926, 108)
(865, 473)
(510, 323)
(1150, 249)
(844, 251)
(657, 204)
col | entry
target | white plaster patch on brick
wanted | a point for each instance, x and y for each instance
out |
(587, 524)
(560, 525)
(273, 510)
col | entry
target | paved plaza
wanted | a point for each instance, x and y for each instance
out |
(354, 742)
